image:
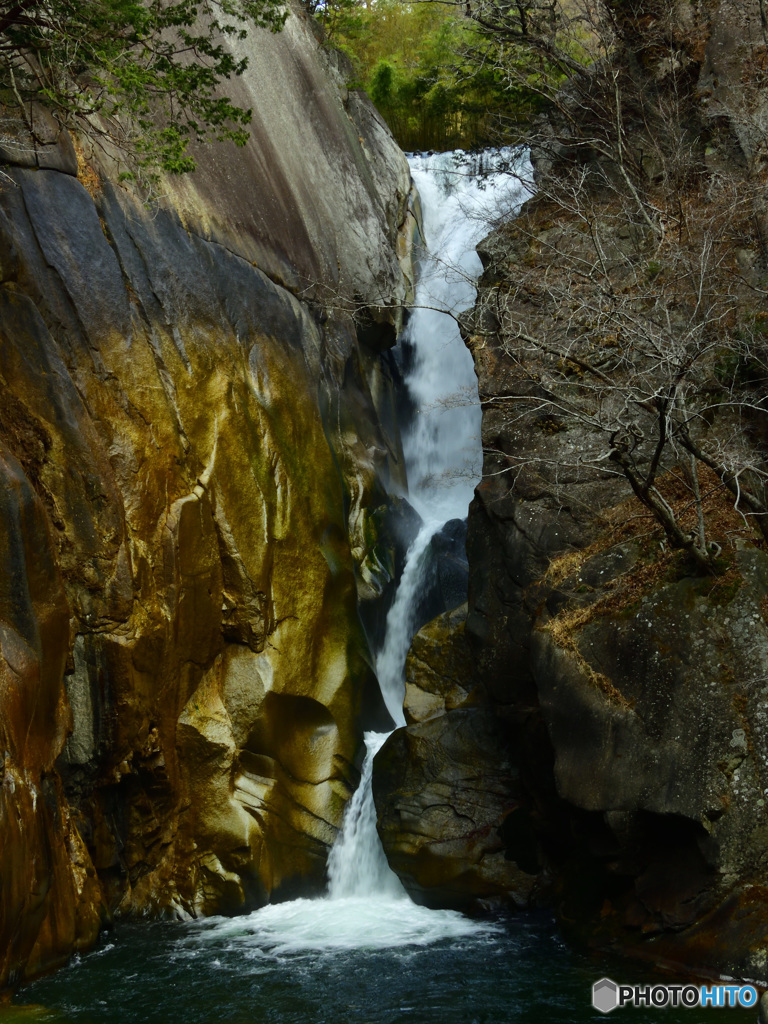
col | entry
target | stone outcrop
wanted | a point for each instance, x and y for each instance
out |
(446, 787)
(197, 441)
(439, 671)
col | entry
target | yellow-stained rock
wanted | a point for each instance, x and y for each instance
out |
(439, 670)
(49, 897)
(190, 450)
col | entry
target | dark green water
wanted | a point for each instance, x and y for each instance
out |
(203, 974)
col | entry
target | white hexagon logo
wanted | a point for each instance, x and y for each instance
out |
(605, 995)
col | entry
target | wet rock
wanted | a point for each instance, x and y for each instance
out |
(388, 532)
(444, 789)
(446, 574)
(439, 670)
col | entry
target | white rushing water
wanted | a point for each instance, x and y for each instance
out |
(390, 660)
(366, 906)
(442, 449)
(357, 865)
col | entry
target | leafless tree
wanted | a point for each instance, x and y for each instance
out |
(628, 300)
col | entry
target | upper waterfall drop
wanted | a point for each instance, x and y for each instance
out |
(462, 198)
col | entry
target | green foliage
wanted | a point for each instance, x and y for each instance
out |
(381, 84)
(412, 60)
(338, 17)
(156, 65)
(447, 74)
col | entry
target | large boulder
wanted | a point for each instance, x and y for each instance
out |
(445, 788)
(439, 670)
(652, 691)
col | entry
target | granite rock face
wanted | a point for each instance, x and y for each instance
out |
(642, 677)
(197, 442)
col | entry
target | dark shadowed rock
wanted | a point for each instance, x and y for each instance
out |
(389, 531)
(445, 788)
(446, 573)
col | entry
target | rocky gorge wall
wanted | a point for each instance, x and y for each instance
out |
(196, 449)
(589, 733)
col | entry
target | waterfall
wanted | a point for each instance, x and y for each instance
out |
(442, 451)
(459, 206)
(390, 661)
(366, 906)
(357, 865)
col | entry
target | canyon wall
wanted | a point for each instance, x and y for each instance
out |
(591, 733)
(197, 443)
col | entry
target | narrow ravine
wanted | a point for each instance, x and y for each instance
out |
(364, 953)
(442, 449)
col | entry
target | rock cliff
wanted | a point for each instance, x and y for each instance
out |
(196, 448)
(617, 629)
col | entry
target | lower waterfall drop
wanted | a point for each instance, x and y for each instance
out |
(357, 865)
